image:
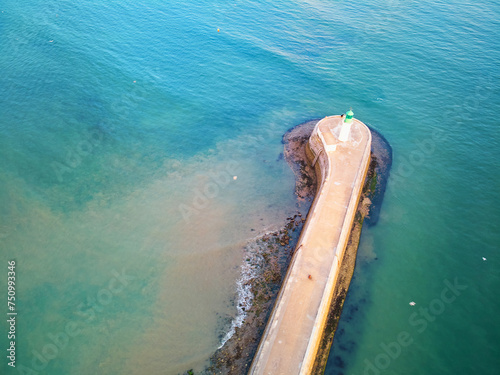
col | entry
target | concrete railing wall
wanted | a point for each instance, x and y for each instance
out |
(293, 334)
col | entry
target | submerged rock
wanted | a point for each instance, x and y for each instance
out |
(269, 255)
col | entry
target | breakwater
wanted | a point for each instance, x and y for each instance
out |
(294, 331)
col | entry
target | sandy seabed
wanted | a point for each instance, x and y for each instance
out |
(268, 256)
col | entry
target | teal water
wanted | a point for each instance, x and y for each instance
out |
(123, 125)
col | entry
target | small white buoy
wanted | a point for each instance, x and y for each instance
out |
(235, 177)
(134, 81)
(484, 258)
(50, 41)
(412, 303)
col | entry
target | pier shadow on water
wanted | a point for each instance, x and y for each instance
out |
(382, 155)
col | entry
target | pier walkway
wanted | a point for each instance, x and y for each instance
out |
(295, 327)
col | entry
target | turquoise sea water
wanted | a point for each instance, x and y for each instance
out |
(123, 125)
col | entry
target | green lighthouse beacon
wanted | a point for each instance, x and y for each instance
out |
(345, 130)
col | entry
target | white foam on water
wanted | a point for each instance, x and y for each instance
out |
(250, 269)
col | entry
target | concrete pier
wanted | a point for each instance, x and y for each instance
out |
(293, 333)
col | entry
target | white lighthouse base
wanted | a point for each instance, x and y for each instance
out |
(345, 131)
